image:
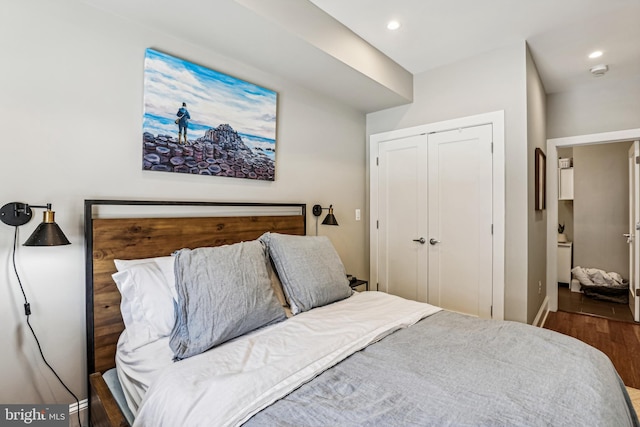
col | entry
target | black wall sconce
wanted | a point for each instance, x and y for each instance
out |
(48, 233)
(330, 219)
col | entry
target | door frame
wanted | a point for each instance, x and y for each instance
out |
(496, 119)
(633, 224)
(552, 195)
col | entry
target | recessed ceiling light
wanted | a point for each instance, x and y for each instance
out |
(595, 54)
(393, 25)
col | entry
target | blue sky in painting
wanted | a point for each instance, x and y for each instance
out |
(212, 98)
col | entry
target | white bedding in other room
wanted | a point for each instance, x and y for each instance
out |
(225, 386)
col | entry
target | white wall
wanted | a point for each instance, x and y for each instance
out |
(537, 220)
(587, 111)
(583, 116)
(71, 114)
(490, 82)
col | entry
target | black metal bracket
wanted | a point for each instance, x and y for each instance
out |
(16, 214)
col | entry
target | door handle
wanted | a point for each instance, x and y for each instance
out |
(420, 240)
(629, 237)
(434, 241)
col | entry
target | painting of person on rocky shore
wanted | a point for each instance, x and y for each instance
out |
(200, 121)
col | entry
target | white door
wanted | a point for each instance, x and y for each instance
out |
(632, 236)
(460, 216)
(434, 211)
(402, 190)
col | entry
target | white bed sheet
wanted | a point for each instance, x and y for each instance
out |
(225, 386)
(137, 366)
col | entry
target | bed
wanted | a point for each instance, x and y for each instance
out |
(336, 358)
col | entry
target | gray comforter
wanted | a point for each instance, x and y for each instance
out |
(453, 370)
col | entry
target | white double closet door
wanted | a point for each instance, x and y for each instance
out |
(435, 219)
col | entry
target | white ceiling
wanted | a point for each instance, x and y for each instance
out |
(560, 33)
(287, 38)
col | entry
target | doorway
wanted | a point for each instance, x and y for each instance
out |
(594, 222)
(552, 200)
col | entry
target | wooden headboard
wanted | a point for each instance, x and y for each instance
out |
(144, 229)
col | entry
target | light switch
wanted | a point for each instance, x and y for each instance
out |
(357, 214)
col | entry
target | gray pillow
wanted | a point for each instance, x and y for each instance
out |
(223, 292)
(309, 268)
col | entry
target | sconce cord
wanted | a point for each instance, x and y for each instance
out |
(27, 312)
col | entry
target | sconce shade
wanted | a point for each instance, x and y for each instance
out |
(48, 233)
(330, 219)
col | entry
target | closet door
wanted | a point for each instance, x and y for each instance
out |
(402, 221)
(434, 219)
(460, 220)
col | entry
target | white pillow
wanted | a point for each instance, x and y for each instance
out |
(165, 263)
(147, 298)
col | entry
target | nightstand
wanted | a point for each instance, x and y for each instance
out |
(359, 285)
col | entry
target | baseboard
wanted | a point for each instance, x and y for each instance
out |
(74, 407)
(541, 317)
(73, 413)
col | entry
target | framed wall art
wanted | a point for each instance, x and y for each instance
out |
(200, 121)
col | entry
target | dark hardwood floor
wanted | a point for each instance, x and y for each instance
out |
(618, 340)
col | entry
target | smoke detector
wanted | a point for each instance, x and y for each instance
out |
(599, 70)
